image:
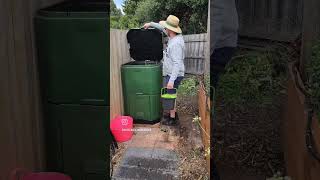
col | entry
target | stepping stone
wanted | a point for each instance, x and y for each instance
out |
(148, 163)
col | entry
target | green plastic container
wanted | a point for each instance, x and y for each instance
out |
(73, 51)
(73, 45)
(142, 78)
(76, 140)
(141, 85)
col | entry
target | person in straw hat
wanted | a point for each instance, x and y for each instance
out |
(173, 61)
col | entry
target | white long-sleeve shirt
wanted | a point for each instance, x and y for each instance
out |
(173, 55)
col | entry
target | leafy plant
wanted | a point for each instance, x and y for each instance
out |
(252, 80)
(148, 9)
(196, 119)
(313, 71)
(114, 11)
(138, 12)
(207, 83)
(278, 176)
(123, 22)
(207, 152)
(188, 86)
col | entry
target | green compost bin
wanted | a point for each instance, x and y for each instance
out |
(72, 40)
(73, 45)
(141, 88)
(142, 77)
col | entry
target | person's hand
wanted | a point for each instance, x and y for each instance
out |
(146, 25)
(170, 85)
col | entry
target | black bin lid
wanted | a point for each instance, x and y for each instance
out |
(145, 44)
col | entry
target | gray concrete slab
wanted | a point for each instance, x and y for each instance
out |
(164, 154)
(148, 164)
(138, 152)
(136, 173)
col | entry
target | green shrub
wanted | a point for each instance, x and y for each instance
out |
(188, 86)
(252, 80)
(207, 84)
(278, 176)
(313, 71)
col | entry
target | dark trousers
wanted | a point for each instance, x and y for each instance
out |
(218, 61)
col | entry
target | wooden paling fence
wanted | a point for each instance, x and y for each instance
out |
(119, 54)
(195, 55)
(279, 20)
(301, 163)
(205, 119)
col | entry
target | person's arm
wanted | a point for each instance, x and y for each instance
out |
(177, 58)
(215, 25)
(156, 26)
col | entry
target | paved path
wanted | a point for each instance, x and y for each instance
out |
(150, 155)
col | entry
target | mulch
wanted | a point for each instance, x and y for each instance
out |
(250, 140)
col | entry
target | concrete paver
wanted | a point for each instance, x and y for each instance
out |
(150, 155)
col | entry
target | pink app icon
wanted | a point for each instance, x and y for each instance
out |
(124, 122)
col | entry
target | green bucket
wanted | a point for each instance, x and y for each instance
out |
(168, 99)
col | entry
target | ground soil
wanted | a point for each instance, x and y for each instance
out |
(193, 163)
(247, 143)
(116, 158)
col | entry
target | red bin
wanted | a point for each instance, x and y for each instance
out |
(121, 128)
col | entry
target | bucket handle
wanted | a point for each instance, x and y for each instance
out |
(164, 90)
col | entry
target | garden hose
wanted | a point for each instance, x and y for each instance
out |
(309, 136)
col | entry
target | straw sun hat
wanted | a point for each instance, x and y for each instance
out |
(172, 23)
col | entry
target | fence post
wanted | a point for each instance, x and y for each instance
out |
(207, 44)
(310, 32)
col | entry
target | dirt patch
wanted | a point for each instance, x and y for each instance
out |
(190, 148)
(193, 164)
(116, 158)
(249, 108)
(249, 141)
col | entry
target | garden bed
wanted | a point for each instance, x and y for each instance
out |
(191, 148)
(249, 108)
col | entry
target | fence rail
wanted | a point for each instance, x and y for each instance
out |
(270, 19)
(195, 63)
(195, 55)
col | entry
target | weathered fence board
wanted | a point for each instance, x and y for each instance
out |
(205, 115)
(119, 54)
(300, 164)
(195, 55)
(270, 19)
(310, 32)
